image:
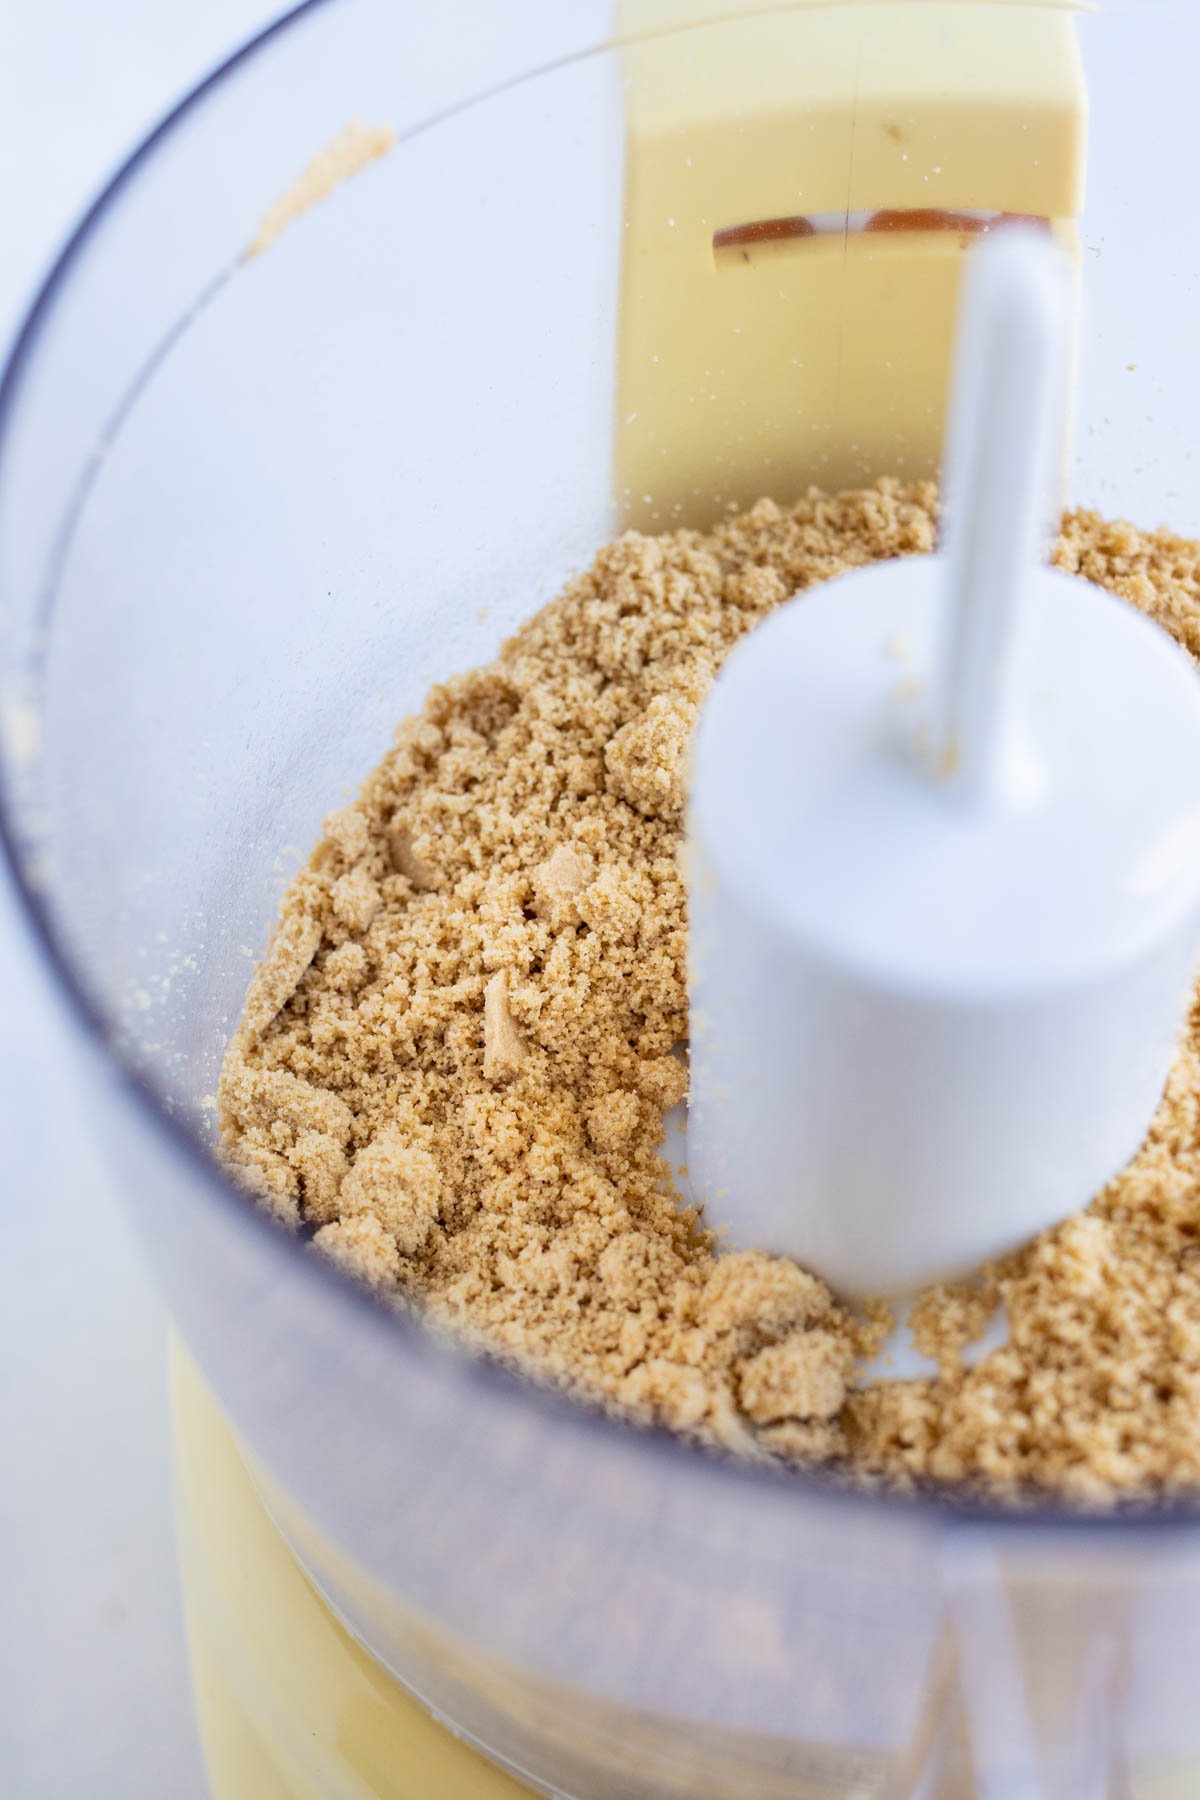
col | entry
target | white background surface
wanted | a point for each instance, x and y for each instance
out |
(94, 1697)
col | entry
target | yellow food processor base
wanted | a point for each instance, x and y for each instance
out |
(289, 1706)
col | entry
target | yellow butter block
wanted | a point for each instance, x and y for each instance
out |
(825, 108)
(770, 365)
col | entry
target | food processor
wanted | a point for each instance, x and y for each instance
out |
(258, 491)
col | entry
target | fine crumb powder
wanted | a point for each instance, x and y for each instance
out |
(455, 1060)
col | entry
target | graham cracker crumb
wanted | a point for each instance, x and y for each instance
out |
(356, 899)
(281, 971)
(747, 1289)
(663, 1080)
(805, 1377)
(457, 1057)
(558, 883)
(613, 1119)
(646, 759)
(320, 1164)
(346, 967)
(343, 157)
(406, 859)
(503, 1046)
(349, 832)
(269, 1178)
(362, 1247)
(397, 1182)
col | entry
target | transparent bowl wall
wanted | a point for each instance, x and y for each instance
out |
(249, 510)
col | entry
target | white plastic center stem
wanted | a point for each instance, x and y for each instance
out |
(944, 863)
(1004, 448)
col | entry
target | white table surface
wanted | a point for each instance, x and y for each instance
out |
(94, 1697)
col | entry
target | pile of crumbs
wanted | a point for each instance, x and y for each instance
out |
(455, 1060)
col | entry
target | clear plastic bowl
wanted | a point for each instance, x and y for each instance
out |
(249, 509)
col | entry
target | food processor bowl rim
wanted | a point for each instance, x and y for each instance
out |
(929, 1505)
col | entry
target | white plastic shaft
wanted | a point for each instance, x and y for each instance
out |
(1003, 446)
(944, 866)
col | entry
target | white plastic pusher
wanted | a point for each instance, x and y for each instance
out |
(944, 863)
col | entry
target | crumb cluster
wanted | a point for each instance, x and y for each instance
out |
(455, 1060)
